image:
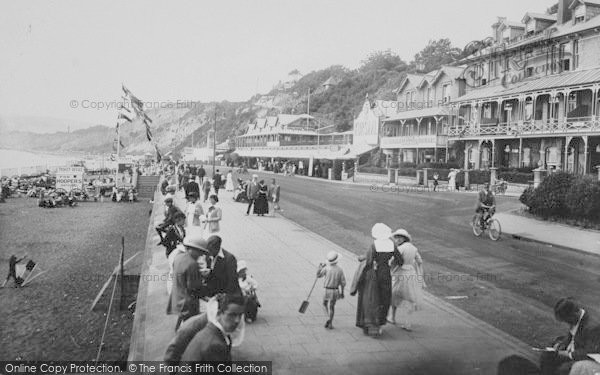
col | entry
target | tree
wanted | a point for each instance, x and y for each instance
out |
(435, 54)
(382, 60)
(294, 72)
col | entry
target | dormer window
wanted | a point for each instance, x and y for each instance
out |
(578, 19)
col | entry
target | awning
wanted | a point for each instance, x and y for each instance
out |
(418, 113)
(329, 152)
(557, 81)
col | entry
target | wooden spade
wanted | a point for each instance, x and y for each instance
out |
(305, 303)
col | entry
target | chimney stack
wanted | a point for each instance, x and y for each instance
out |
(564, 13)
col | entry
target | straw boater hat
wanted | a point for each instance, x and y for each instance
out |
(332, 258)
(403, 233)
(381, 234)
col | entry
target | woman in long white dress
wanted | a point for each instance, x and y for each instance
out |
(229, 181)
(407, 280)
(452, 179)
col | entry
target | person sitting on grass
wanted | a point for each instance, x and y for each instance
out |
(334, 284)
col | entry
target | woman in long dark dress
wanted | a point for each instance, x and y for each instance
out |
(261, 205)
(374, 285)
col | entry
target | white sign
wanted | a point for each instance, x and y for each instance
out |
(69, 178)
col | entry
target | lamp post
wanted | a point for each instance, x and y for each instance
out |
(215, 140)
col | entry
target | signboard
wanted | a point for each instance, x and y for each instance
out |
(69, 178)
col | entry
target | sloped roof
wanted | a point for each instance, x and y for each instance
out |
(539, 16)
(285, 120)
(590, 2)
(271, 121)
(416, 78)
(556, 81)
(454, 72)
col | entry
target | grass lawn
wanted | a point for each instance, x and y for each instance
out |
(50, 318)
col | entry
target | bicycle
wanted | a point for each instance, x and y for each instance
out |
(490, 224)
(500, 187)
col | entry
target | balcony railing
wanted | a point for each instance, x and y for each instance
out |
(414, 141)
(535, 127)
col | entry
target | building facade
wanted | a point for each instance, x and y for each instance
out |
(532, 94)
(417, 131)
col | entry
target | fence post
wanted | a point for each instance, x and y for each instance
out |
(493, 175)
(121, 274)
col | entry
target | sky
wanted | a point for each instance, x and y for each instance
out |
(67, 59)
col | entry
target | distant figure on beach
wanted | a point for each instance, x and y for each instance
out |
(12, 269)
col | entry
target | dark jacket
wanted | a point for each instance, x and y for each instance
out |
(182, 338)
(223, 278)
(587, 338)
(192, 187)
(252, 190)
(208, 345)
(187, 286)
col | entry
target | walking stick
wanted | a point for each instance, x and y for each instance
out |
(305, 303)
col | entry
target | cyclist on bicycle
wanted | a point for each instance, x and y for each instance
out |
(486, 204)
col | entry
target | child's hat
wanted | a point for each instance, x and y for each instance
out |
(333, 257)
(241, 265)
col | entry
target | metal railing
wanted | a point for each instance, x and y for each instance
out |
(570, 125)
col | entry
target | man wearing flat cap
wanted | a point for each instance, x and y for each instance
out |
(223, 275)
(188, 283)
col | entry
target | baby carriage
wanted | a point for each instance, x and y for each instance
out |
(239, 195)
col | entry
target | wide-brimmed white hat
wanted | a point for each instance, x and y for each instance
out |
(333, 257)
(381, 231)
(403, 233)
(384, 245)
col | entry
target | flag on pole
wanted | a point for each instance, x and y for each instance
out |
(124, 117)
(148, 132)
(158, 155)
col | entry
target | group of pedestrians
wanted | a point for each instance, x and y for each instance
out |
(209, 290)
(262, 198)
(389, 278)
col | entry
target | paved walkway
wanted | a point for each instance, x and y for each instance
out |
(549, 232)
(283, 257)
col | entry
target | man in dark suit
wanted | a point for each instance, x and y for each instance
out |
(583, 338)
(217, 182)
(213, 343)
(223, 276)
(188, 285)
(182, 338)
(201, 173)
(252, 192)
(170, 212)
(192, 187)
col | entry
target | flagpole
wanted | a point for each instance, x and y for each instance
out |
(118, 150)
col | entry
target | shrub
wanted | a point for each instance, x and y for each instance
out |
(549, 197)
(478, 177)
(407, 165)
(527, 197)
(412, 172)
(583, 199)
(337, 169)
(516, 177)
(439, 165)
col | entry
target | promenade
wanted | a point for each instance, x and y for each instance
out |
(283, 258)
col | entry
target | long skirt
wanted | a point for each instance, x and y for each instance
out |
(261, 206)
(368, 308)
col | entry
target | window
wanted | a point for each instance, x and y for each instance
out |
(493, 69)
(529, 71)
(579, 19)
(564, 56)
(412, 98)
(572, 101)
(446, 93)
(575, 54)
(429, 96)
